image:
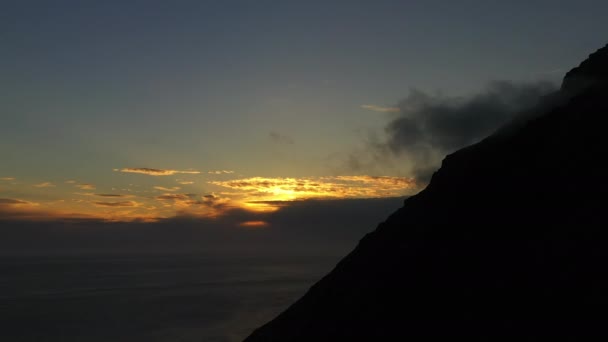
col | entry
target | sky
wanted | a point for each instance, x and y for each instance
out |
(144, 111)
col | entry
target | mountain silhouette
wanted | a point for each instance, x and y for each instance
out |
(509, 241)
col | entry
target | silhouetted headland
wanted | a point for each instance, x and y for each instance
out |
(509, 241)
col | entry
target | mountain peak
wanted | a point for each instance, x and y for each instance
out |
(590, 72)
(508, 242)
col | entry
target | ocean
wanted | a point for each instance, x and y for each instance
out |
(146, 297)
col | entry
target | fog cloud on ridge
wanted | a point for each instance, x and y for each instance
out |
(427, 127)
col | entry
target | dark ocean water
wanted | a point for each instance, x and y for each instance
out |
(148, 297)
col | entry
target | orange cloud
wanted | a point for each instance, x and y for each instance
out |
(255, 194)
(254, 224)
(14, 202)
(162, 188)
(384, 182)
(17, 209)
(7, 178)
(195, 205)
(155, 172)
(117, 204)
(112, 195)
(320, 187)
(175, 197)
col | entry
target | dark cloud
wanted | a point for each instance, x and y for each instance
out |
(445, 123)
(209, 201)
(311, 226)
(428, 127)
(154, 172)
(212, 200)
(279, 138)
(334, 221)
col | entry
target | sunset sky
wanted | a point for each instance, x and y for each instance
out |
(150, 110)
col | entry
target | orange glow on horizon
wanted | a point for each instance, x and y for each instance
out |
(254, 224)
(158, 202)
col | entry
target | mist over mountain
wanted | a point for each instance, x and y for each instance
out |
(507, 241)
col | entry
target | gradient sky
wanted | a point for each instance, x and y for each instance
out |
(240, 101)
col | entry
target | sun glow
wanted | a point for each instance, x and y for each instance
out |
(261, 207)
(136, 202)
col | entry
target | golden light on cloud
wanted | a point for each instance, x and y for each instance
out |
(44, 185)
(162, 188)
(74, 209)
(155, 172)
(254, 224)
(261, 195)
(18, 209)
(382, 182)
(261, 206)
(85, 186)
(220, 172)
(287, 189)
(7, 178)
(15, 202)
(190, 204)
(175, 197)
(117, 204)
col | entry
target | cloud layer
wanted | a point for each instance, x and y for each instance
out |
(162, 188)
(117, 204)
(301, 226)
(220, 172)
(155, 172)
(320, 187)
(44, 185)
(111, 195)
(12, 201)
(85, 186)
(428, 127)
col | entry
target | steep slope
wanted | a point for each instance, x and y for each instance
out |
(509, 239)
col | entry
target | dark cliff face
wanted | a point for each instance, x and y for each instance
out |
(591, 71)
(509, 240)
